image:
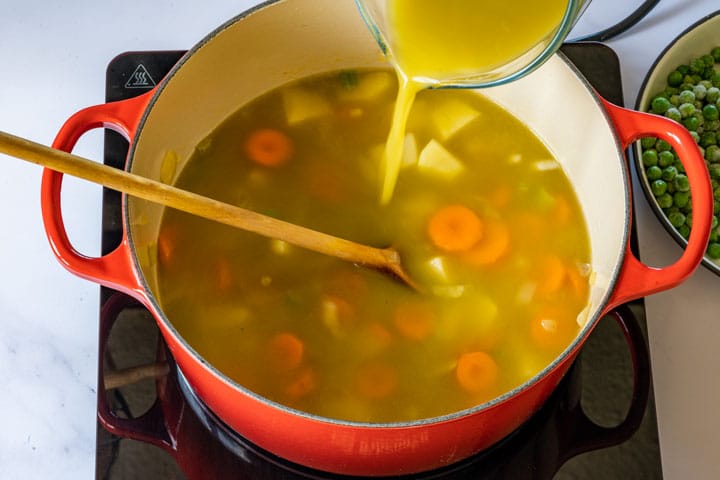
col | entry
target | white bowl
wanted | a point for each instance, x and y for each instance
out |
(695, 41)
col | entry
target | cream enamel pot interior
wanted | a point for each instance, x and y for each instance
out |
(284, 40)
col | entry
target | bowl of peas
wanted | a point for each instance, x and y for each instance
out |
(684, 85)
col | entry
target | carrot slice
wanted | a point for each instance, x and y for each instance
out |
(455, 228)
(501, 196)
(492, 247)
(551, 275)
(223, 275)
(166, 245)
(413, 320)
(337, 314)
(269, 147)
(303, 384)
(380, 335)
(579, 282)
(285, 352)
(476, 372)
(376, 380)
(561, 211)
(552, 328)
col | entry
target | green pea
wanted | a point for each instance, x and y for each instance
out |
(715, 52)
(713, 94)
(712, 155)
(681, 199)
(714, 222)
(710, 112)
(674, 114)
(708, 60)
(713, 169)
(681, 183)
(712, 125)
(661, 145)
(675, 78)
(676, 219)
(691, 123)
(348, 79)
(714, 236)
(649, 158)
(713, 250)
(665, 201)
(660, 105)
(666, 158)
(708, 139)
(697, 65)
(647, 142)
(684, 230)
(700, 91)
(715, 79)
(716, 194)
(695, 136)
(659, 187)
(679, 166)
(683, 69)
(669, 173)
(654, 173)
(686, 109)
(687, 95)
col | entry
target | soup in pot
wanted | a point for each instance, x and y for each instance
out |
(483, 216)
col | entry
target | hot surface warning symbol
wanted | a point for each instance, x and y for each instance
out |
(140, 78)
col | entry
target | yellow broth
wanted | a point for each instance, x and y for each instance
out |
(327, 337)
(437, 41)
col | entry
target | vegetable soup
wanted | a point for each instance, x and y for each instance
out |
(482, 215)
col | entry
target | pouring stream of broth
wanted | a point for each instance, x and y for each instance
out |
(383, 259)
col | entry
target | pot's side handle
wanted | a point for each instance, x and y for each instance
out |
(583, 434)
(637, 279)
(152, 426)
(115, 269)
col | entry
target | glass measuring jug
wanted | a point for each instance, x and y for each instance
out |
(469, 43)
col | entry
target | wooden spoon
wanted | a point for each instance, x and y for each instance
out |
(383, 259)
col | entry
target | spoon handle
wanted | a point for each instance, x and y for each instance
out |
(190, 202)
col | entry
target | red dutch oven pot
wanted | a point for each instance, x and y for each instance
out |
(283, 40)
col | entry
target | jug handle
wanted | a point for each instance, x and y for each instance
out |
(115, 269)
(636, 279)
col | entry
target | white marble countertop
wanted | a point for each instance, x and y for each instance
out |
(52, 62)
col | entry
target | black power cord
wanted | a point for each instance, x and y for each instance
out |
(621, 26)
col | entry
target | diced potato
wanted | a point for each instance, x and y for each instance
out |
(451, 116)
(449, 291)
(279, 247)
(434, 271)
(369, 87)
(410, 155)
(436, 159)
(302, 105)
(545, 165)
(372, 164)
(168, 167)
(514, 158)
